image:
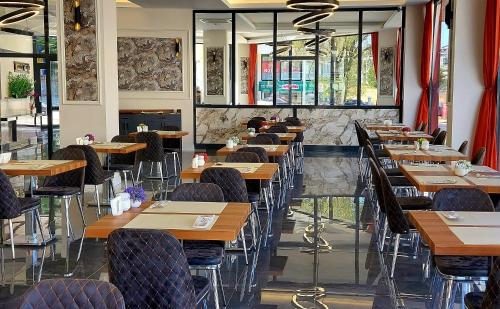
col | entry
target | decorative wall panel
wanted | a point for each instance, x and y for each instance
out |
(81, 53)
(387, 71)
(244, 75)
(149, 64)
(215, 71)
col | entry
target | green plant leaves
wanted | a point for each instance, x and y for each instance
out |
(20, 85)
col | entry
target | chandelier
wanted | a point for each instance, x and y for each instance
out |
(25, 9)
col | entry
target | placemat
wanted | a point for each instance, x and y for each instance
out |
(202, 208)
(477, 236)
(423, 167)
(442, 180)
(237, 164)
(266, 147)
(472, 218)
(166, 132)
(165, 222)
(112, 145)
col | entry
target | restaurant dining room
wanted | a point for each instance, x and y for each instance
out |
(329, 154)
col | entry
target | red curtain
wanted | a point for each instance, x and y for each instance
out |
(436, 69)
(487, 119)
(398, 67)
(252, 71)
(425, 65)
(374, 36)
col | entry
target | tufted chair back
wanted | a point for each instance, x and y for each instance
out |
(75, 178)
(202, 192)
(10, 206)
(378, 184)
(463, 147)
(274, 138)
(254, 123)
(154, 151)
(436, 132)
(123, 159)
(259, 151)
(440, 139)
(279, 128)
(462, 199)
(150, 269)
(229, 180)
(293, 121)
(72, 293)
(492, 293)
(478, 158)
(94, 173)
(243, 156)
(259, 118)
(171, 143)
(395, 216)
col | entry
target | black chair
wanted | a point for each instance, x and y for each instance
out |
(463, 148)
(204, 255)
(150, 268)
(235, 190)
(123, 163)
(95, 175)
(273, 136)
(12, 207)
(259, 118)
(172, 147)
(436, 132)
(67, 185)
(440, 139)
(294, 121)
(461, 269)
(255, 124)
(260, 140)
(490, 299)
(278, 128)
(479, 157)
(72, 293)
(299, 138)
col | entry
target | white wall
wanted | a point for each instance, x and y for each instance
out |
(467, 69)
(171, 20)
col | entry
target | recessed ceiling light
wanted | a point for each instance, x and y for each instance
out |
(309, 5)
(22, 4)
(17, 16)
(312, 17)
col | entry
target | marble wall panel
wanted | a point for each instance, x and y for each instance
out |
(81, 53)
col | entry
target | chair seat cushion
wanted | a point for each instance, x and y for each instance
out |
(201, 287)
(204, 253)
(57, 191)
(119, 167)
(474, 300)
(415, 203)
(400, 182)
(108, 175)
(472, 266)
(29, 203)
(396, 172)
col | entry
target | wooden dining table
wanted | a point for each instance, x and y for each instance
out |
(395, 135)
(435, 153)
(284, 137)
(291, 129)
(271, 150)
(167, 134)
(118, 148)
(445, 239)
(226, 228)
(434, 177)
(261, 171)
(384, 127)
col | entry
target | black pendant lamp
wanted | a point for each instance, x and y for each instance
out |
(312, 17)
(16, 16)
(22, 4)
(312, 5)
(313, 41)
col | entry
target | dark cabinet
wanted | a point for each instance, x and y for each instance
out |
(155, 120)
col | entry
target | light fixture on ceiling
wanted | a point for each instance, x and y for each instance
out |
(312, 17)
(312, 5)
(313, 41)
(17, 16)
(318, 32)
(22, 4)
(215, 21)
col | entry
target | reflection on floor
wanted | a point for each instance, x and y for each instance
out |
(320, 253)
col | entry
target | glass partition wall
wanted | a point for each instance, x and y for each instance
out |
(359, 66)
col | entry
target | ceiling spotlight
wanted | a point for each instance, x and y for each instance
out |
(17, 16)
(312, 5)
(312, 17)
(313, 41)
(318, 32)
(22, 4)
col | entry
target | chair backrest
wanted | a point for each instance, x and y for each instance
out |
(463, 148)
(294, 121)
(357, 127)
(395, 216)
(243, 156)
(463, 199)
(371, 154)
(255, 123)
(478, 158)
(10, 207)
(277, 129)
(75, 178)
(229, 180)
(154, 151)
(150, 268)
(491, 299)
(72, 293)
(94, 173)
(259, 151)
(126, 159)
(274, 138)
(261, 140)
(171, 143)
(202, 192)
(440, 138)
(259, 118)
(436, 132)
(377, 183)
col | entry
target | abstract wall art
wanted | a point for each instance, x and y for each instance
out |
(215, 71)
(244, 75)
(386, 83)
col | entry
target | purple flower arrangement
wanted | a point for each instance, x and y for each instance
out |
(90, 136)
(136, 193)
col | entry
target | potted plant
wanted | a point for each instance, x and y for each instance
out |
(20, 89)
(142, 128)
(424, 143)
(137, 196)
(251, 132)
(462, 168)
(406, 130)
(90, 138)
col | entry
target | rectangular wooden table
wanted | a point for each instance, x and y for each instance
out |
(402, 137)
(435, 153)
(284, 137)
(265, 172)
(272, 150)
(35, 168)
(118, 148)
(227, 227)
(383, 127)
(432, 178)
(291, 129)
(167, 134)
(441, 239)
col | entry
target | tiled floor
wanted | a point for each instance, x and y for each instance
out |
(328, 198)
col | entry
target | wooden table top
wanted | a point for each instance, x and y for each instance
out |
(278, 151)
(435, 153)
(41, 167)
(265, 172)
(432, 178)
(284, 137)
(383, 127)
(119, 148)
(167, 134)
(399, 136)
(227, 227)
(291, 129)
(442, 240)
(269, 122)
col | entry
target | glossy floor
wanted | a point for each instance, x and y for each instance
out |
(320, 246)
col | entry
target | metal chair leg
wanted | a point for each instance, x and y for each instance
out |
(395, 254)
(221, 287)
(11, 231)
(39, 222)
(215, 288)
(242, 233)
(80, 207)
(98, 202)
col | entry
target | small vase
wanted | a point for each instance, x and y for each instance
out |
(136, 203)
(139, 129)
(230, 144)
(201, 160)
(461, 171)
(425, 145)
(417, 146)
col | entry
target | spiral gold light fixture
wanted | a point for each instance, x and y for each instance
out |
(312, 17)
(25, 9)
(312, 5)
(22, 4)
